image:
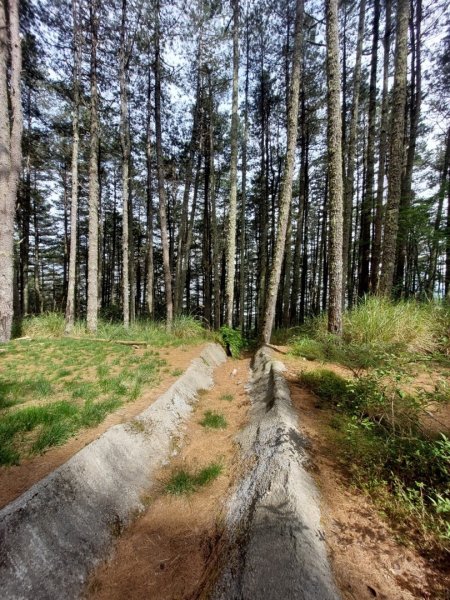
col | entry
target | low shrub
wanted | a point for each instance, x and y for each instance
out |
(232, 340)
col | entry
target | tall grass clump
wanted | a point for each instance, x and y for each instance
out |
(376, 331)
(48, 325)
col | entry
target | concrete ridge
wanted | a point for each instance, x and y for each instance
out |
(276, 547)
(55, 533)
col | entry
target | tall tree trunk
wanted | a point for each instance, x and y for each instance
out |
(351, 151)
(415, 101)
(70, 305)
(11, 126)
(383, 147)
(148, 156)
(335, 183)
(125, 145)
(286, 185)
(92, 293)
(243, 265)
(443, 188)
(160, 173)
(232, 209)
(397, 128)
(367, 203)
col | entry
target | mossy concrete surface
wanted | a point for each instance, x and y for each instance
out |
(53, 535)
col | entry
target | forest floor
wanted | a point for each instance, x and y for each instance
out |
(38, 375)
(370, 558)
(164, 553)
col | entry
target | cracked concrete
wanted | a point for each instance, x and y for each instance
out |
(55, 533)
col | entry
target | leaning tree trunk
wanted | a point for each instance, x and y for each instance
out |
(286, 185)
(92, 300)
(232, 210)
(70, 304)
(335, 183)
(10, 155)
(161, 188)
(396, 150)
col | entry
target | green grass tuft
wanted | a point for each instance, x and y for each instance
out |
(183, 482)
(227, 397)
(213, 420)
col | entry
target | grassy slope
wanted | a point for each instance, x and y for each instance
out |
(377, 414)
(51, 386)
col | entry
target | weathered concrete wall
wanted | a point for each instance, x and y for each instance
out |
(276, 547)
(56, 532)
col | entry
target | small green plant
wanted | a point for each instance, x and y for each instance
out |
(308, 348)
(184, 482)
(326, 384)
(232, 340)
(227, 397)
(176, 372)
(213, 420)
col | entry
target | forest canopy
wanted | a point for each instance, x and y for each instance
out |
(247, 162)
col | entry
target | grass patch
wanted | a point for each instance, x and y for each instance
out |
(51, 388)
(227, 397)
(185, 330)
(213, 420)
(176, 372)
(183, 482)
(232, 340)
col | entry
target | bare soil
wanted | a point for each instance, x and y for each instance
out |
(367, 560)
(165, 552)
(15, 480)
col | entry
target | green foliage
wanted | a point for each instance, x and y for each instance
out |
(326, 384)
(232, 340)
(184, 482)
(213, 420)
(379, 430)
(227, 397)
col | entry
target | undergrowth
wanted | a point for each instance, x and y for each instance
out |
(232, 340)
(185, 330)
(185, 482)
(379, 431)
(376, 331)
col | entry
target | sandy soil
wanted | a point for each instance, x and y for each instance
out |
(367, 561)
(17, 479)
(165, 552)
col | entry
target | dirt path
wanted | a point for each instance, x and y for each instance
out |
(164, 553)
(367, 561)
(15, 480)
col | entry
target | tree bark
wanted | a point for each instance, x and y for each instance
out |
(383, 147)
(70, 305)
(232, 209)
(11, 125)
(351, 151)
(367, 203)
(286, 185)
(335, 183)
(160, 173)
(148, 156)
(397, 127)
(92, 299)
